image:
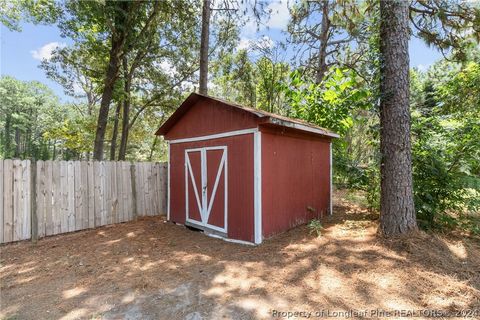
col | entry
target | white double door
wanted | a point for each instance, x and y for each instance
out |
(206, 197)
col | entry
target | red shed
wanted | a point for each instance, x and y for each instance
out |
(245, 174)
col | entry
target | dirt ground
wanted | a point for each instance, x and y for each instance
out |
(150, 269)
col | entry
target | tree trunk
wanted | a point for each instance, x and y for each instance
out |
(126, 113)
(8, 138)
(324, 34)
(113, 144)
(17, 143)
(111, 76)
(125, 130)
(154, 144)
(204, 46)
(397, 212)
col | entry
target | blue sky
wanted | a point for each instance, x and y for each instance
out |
(21, 52)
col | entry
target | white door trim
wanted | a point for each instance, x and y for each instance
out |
(189, 172)
(205, 204)
(216, 136)
(331, 180)
(257, 185)
(203, 184)
(168, 182)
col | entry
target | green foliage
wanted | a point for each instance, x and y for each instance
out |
(12, 12)
(329, 104)
(259, 84)
(35, 124)
(339, 103)
(462, 91)
(315, 227)
(446, 147)
(271, 77)
(356, 154)
(336, 40)
(445, 129)
(373, 188)
(73, 134)
(448, 25)
(234, 77)
(446, 118)
(157, 54)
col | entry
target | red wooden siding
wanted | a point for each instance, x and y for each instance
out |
(194, 180)
(240, 182)
(217, 216)
(211, 117)
(295, 179)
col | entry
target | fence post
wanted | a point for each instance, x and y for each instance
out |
(33, 200)
(134, 190)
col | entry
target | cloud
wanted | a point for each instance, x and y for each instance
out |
(277, 19)
(167, 67)
(46, 52)
(244, 44)
(279, 15)
(264, 42)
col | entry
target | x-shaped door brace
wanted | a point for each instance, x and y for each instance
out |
(205, 204)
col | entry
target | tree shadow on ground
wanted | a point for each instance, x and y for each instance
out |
(155, 270)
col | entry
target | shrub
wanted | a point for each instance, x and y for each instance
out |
(315, 226)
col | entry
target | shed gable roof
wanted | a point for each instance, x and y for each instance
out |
(263, 116)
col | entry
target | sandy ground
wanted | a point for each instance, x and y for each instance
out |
(150, 269)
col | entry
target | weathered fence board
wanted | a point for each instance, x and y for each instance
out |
(7, 200)
(27, 199)
(91, 195)
(75, 195)
(16, 196)
(40, 185)
(63, 196)
(17, 190)
(57, 209)
(49, 222)
(108, 194)
(71, 196)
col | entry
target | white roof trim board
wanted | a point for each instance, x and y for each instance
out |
(289, 124)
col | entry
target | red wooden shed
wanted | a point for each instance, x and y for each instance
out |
(245, 174)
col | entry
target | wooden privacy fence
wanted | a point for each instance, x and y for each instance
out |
(44, 198)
